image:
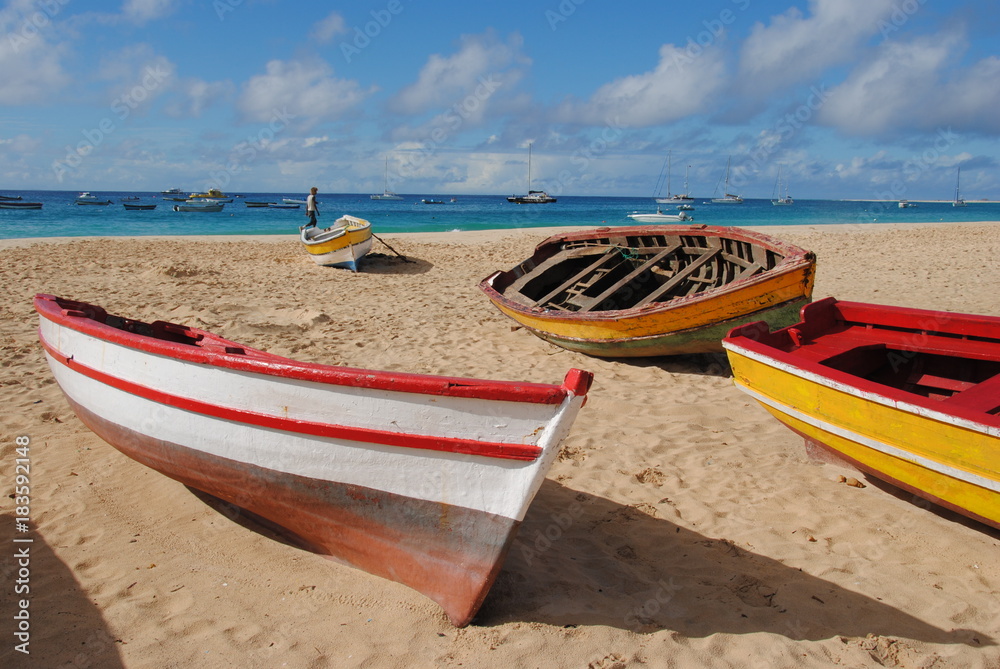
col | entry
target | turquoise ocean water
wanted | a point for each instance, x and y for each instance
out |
(61, 217)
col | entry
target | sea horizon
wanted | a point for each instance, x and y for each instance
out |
(61, 217)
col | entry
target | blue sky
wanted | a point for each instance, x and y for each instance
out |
(851, 98)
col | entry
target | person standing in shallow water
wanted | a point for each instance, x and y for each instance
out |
(312, 211)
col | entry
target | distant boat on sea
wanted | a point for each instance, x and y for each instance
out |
(671, 198)
(659, 217)
(781, 200)
(728, 198)
(13, 204)
(533, 196)
(386, 193)
(210, 207)
(87, 198)
(959, 202)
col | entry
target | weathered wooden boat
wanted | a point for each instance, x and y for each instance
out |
(342, 244)
(251, 205)
(283, 205)
(653, 290)
(423, 480)
(138, 207)
(10, 197)
(907, 396)
(11, 204)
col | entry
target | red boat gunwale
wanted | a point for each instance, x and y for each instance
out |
(193, 345)
(841, 326)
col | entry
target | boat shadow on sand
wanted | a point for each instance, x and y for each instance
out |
(577, 561)
(696, 364)
(64, 627)
(580, 559)
(388, 263)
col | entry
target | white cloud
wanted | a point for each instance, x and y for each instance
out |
(141, 11)
(482, 61)
(794, 47)
(915, 86)
(307, 91)
(326, 29)
(682, 84)
(195, 96)
(31, 68)
(23, 144)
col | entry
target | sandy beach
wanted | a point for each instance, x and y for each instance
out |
(682, 526)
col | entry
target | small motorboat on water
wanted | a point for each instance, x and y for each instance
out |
(204, 207)
(87, 198)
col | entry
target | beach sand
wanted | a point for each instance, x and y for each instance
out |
(682, 526)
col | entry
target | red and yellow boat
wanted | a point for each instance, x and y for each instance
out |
(653, 290)
(907, 396)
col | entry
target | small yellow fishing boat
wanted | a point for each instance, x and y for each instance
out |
(653, 290)
(342, 244)
(907, 396)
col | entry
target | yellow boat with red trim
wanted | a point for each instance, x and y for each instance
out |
(907, 396)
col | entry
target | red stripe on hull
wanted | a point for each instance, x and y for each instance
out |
(450, 554)
(527, 452)
(192, 345)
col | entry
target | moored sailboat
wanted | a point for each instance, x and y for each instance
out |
(728, 197)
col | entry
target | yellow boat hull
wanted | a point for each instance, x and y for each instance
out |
(341, 245)
(932, 454)
(621, 322)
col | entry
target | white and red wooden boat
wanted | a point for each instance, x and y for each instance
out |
(420, 479)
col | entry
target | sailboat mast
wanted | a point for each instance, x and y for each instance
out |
(529, 167)
(668, 172)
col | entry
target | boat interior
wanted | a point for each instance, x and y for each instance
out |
(613, 273)
(959, 369)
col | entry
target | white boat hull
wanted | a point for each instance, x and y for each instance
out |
(423, 480)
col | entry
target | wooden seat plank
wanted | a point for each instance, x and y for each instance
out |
(674, 281)
(592, 302)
